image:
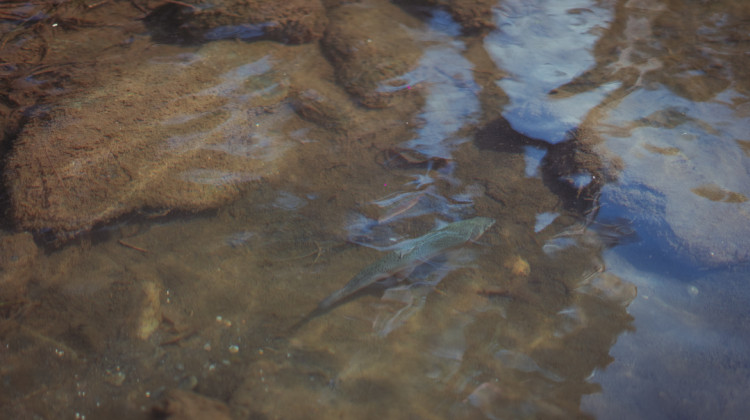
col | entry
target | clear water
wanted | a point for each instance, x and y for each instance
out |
(613, 284)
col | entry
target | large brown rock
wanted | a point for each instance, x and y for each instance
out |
(372, 49)
(473, 15)
(184, 132)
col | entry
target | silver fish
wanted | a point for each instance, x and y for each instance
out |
(412, 253)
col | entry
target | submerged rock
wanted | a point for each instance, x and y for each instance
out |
(372, 48)
(292, 21)
(181, 132)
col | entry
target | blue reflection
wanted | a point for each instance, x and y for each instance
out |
(673, 147)
(451, 101)
(544, 45)
(533, 157)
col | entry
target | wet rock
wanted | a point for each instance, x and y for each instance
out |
(185, 405)
(293, 21)
(330, 109)
(572, 168)
(181, 132)
(150, 316)
(573, 171)
(42, 48)
(473, 15)
(371, 47)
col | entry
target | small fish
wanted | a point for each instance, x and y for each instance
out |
(410, 254)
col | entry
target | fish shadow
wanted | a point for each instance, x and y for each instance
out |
(375, 289)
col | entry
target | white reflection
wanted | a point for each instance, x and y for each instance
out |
(451, 101)
(570, 320)
(543, 45)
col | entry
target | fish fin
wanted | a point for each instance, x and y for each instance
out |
(405, 247)
(404, 251)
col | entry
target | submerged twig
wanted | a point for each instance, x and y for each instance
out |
(137, 248)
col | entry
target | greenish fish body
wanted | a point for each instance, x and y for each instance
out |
(411, 253)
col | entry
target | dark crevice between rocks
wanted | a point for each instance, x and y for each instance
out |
(166, 24)
(5, 147)
(118, 229)
(474, 16)
(571, 172)
(284, 22)
(12, 123)
(172, 24)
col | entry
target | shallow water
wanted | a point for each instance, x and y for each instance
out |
(174, 221)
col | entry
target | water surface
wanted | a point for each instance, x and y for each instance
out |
(172, 217)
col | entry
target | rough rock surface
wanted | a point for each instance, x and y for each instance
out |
(372, 49)
(180, 133)
(292, 21)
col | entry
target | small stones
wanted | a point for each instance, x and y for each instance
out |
(518, 266)
(150, 316)
(116, 377)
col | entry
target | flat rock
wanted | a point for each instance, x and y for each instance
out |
(473, 15)
(183, 132)
(292, 21)
(372, 48)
